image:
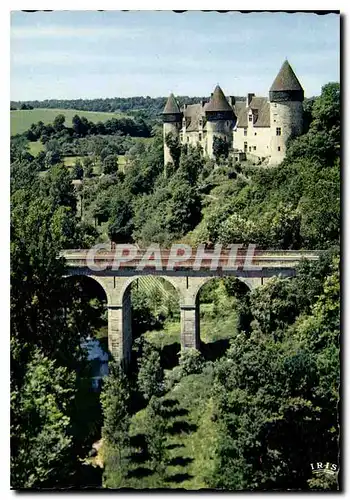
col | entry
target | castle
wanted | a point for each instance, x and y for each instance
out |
(257, 128)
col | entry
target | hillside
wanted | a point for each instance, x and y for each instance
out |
(21, 120)
(258, 402)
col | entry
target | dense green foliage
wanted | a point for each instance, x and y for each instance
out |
(150, 375)
(115, 402)
(42, 440)
(49, 317)
(276, 391)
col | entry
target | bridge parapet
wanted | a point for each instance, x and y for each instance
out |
(161, 262)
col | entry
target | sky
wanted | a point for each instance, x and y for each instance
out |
(89, 54)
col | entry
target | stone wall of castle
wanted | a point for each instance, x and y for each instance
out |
(254, 140)
(286, 120)
(173, 128)
(220, 128)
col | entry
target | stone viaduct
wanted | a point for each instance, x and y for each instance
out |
(187, 281)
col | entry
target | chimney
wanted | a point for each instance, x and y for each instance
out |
(249, 98)
(231, 100)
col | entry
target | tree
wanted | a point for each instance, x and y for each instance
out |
(274, 305)
(174, 145)
(120, 219)
(156, 426)
(191, 361)
(191, 164)
(116, 418)
(80, 125)
(320, 210)
(87, 167)
(60, 188)
(220, 148)
(143, 317)
(52, 158)
(110, 164)
(77, 171)
(326, 109)
(58, 123)
(322, 141)
(25, 106)
(183, 208)
(150, 375)
(41, 437)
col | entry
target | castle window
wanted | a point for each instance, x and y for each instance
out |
(278, 131)
(250, 118)
(245, 132)
(250, 148)
(255, 133)
(200, 137)
(254, 147)
(188, 139)
(200, 122)
(279, 148)
(245, 146)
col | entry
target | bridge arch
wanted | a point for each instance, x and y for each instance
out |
(128, 282)
(239, 288)
(250, 283)
(162, 298)
(97, 279)
(92, 324)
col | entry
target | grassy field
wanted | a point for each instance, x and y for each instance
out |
(21, 120)
(69, 161)
(191, 439)
(36, 147)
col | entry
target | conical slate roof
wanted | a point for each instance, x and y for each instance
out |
(286, 79)
(171, 106)
(218, 101)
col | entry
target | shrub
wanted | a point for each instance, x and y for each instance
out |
(191, 361)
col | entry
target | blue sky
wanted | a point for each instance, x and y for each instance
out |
(87, 54)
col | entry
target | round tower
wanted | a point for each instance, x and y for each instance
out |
(172, 120)
(286, 111)
(220, 120)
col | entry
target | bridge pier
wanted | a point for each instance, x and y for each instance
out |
(115, 321)
(189, 317)
(119, 330)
